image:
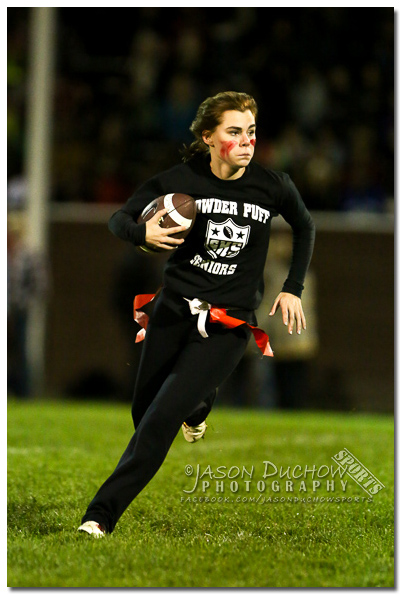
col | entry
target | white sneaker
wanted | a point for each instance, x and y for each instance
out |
(194, 433)
(93, 528)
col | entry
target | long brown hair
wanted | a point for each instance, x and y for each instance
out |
(209, 116)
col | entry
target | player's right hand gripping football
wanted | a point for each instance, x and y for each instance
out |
(159, 237)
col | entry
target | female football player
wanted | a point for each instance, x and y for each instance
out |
(213, 276)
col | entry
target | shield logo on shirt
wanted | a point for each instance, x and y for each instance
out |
(225, 240)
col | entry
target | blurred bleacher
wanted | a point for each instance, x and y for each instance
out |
(128, 81)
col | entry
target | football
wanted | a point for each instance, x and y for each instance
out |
(181, 209)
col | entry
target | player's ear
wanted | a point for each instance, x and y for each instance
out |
(207, 138)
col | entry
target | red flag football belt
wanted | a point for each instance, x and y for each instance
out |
(201, 308)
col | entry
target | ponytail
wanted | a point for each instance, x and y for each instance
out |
(197, 147)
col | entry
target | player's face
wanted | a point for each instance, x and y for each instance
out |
(233, 140)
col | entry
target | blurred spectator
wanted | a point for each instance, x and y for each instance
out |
(309, 100)
(341, 103)
(26, 282)
(145, 63)
(178, 109)
(323, 171)
(16, 193)
(370, 104)
(364, 188)
(189, 51)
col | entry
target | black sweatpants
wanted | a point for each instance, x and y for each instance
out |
(177, 380)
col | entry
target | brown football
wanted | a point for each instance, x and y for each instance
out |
(182, 210)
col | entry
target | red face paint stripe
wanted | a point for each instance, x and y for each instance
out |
(227, 146)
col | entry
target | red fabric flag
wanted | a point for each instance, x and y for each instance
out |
(216, 315)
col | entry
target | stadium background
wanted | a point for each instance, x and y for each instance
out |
(126, 85)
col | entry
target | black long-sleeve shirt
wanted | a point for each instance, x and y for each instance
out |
(223, 257)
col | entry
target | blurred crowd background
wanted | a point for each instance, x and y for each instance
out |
(128, 82)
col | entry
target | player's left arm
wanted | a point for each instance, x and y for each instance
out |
(294, 211)
(292, 311)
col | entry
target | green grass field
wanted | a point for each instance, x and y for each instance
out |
(59, 453)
